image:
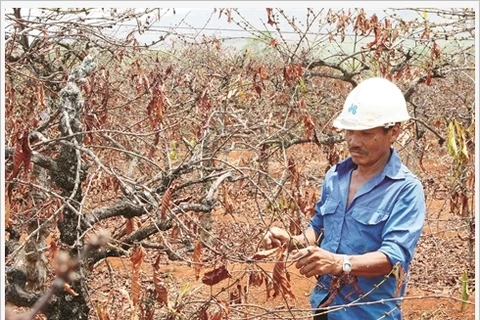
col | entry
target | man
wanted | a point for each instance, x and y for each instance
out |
(369, 217)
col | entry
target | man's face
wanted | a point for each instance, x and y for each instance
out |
(367, 147)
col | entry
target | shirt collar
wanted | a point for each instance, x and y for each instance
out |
(392, 169)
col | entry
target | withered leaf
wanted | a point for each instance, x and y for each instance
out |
(197, 258)
(215, 276)
(255, 278)
(281, 281)
(161, 292)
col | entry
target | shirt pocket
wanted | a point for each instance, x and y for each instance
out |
(329, 207)
(368, 225)
(331, 226)
(369, 216)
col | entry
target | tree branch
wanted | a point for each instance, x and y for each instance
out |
(37, 158)
(441, 139)
(123, 208)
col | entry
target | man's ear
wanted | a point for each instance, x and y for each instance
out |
(394, 133)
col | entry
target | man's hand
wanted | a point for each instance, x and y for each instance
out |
(315, 261)
(275, 237)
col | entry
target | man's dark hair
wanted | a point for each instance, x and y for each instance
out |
(389, 126)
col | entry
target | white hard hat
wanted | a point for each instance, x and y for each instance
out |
(375, 102)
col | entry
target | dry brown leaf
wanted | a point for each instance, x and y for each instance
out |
(255, 278)
(53, 252)
(281, 281)
(136, 287)
(136, 259)
(295, 226)
(166, 200)
(257, 89)
(436, 51)
(147, 312)
(269, 16)
(7, 211)
(153, 148)
(161, 292)
(157, 105)
(129, 226)
(236, 295)
(268, 285)
(40, 95)
(175, 231)
(217, 315)
(202, 314)
(27, 151)
(227, 199)
(197, 258)
(215, 276)
(222, 313)
(309, 125)
(17, 160)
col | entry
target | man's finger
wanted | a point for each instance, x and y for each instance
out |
(302, 253)
(266, 243)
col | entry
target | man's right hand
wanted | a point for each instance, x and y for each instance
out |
(274, 238)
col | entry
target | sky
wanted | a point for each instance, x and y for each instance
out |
(193, 16)
(195, 19)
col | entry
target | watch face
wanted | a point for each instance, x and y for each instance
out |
(347, 267)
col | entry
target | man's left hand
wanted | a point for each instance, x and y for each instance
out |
(315, 261)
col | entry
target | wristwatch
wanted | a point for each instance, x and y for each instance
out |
(346, 266)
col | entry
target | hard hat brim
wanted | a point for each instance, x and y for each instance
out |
(342, 123)
(348, 125)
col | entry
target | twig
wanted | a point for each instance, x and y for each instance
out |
(441, 139)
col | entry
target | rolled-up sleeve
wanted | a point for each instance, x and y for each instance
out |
(404, 226)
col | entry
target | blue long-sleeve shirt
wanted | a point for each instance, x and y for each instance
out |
(386, 215)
